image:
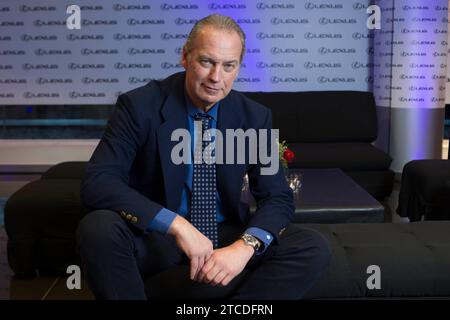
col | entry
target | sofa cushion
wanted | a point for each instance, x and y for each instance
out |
(346, 156)
(413, 259)
(325, 116)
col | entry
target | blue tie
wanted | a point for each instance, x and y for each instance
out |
(203, 200)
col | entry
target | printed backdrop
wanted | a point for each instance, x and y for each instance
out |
(295, 45)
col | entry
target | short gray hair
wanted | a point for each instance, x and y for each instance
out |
(219, 22)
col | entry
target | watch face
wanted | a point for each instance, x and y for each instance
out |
(250, 240)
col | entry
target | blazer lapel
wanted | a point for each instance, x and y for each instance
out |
(174, 114)
(228, 179)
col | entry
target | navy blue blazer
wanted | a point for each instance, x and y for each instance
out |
(131, 171)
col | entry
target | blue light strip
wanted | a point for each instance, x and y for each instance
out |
(53, 122)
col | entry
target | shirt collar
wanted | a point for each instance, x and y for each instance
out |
(192, 110)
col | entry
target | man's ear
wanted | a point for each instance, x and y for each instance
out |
(184, 58)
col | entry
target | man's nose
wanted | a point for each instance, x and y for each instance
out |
(215, 73)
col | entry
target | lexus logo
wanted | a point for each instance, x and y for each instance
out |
(243, 20)
(310, 36)
(358, 35)
(25, 8)
(406, 8)
(262, 65)
(277, 50)
(27, 37)
(277, 21)
(325, 21)
(311, 6)
(247, 79)
(217, 6)
(323, 50)
(358, 65)
(166, 6)
(168, 65)
(88, 22)
(133, 51)
(359, 6)
(12, 52)
(121, 36)
(439, 8)
(91, 8)
(276, 80)
(139, 80)
(41, 80)
(73, 37)
(88, 80)
(75, 66)
(323, 79)
(119, 7)
(169, 36)
(133, 22)
(262, 35)
(40, 23)
(442, 31)
(30, 95)
(263, 6)
(11, 24)
(41, 52)
(13, 81)
(87, 51)
(76, 94)
(29, 66)
(312, 65)
(182, 21)
(253, 50)
(120, 65)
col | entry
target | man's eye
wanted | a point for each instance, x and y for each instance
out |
(205, 62)
(229, 67)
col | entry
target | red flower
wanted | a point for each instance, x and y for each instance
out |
(288, 155)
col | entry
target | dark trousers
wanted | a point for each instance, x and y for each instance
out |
(115, 258)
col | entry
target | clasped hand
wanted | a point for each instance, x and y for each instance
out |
(224, 264)
(215, 267)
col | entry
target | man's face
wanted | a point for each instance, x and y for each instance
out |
(211, 66)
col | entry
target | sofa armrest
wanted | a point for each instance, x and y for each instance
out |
(73, 170)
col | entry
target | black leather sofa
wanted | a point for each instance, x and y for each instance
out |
(41, 219)
(332, 129)
(425, 190)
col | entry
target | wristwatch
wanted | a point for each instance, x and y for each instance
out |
(250, 240)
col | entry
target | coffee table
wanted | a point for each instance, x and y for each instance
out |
(329, 196)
